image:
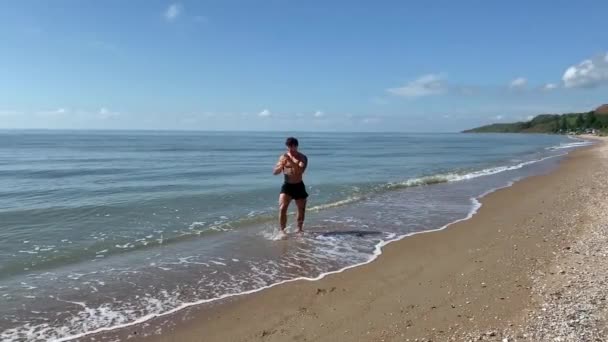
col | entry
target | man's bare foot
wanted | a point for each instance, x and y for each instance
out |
(279, 235)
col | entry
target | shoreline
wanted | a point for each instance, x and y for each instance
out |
(182, 326)
(476, 205)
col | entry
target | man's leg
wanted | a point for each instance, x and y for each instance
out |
(301, 203)
(284, 200)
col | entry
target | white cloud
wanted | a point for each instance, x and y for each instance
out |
(530, 117)
(319, 114)
(105, 113)
(379, 100)
(8, 112)
(589, 73)
(465, 90)
(56, 112)
(189, 121)
(499, 117)
(518, 83)
(431, 84)
(550, 86)
(173, 11)
(371, 120)
(265, 113)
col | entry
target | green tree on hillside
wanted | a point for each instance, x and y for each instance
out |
(552, 123)
(563, 124)
(590, 120)
(601, 121)
(556, 124)
(579, 122)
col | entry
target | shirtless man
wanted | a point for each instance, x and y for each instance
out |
(292, 164)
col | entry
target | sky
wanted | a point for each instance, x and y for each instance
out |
(287, 65)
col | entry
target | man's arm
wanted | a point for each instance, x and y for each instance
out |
(278, 168)
(305, 160)
(298, 161)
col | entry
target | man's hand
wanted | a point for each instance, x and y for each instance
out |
(284, 160)
(292, 159)
(295, 160)
(278, 168)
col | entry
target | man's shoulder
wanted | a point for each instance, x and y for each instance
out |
(304, 156)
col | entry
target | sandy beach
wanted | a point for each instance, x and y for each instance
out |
(530, 265)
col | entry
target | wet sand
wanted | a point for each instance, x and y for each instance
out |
(488, 278)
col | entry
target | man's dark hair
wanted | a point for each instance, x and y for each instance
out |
(291, 141)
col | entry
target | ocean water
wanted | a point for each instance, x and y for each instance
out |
(102, 229)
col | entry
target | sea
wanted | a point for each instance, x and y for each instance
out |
(105, 229)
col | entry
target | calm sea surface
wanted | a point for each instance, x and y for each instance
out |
(102, 229)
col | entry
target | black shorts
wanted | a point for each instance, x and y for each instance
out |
(296, 190)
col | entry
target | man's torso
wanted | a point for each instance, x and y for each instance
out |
(295, 175)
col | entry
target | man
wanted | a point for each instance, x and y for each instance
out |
(292, 164)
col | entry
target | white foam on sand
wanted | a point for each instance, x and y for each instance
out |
(274, 235)
(444, 178)
(571, 145)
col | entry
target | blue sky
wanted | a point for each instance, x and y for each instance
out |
(298, 65)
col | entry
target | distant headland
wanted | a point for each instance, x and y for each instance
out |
(593, 122)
